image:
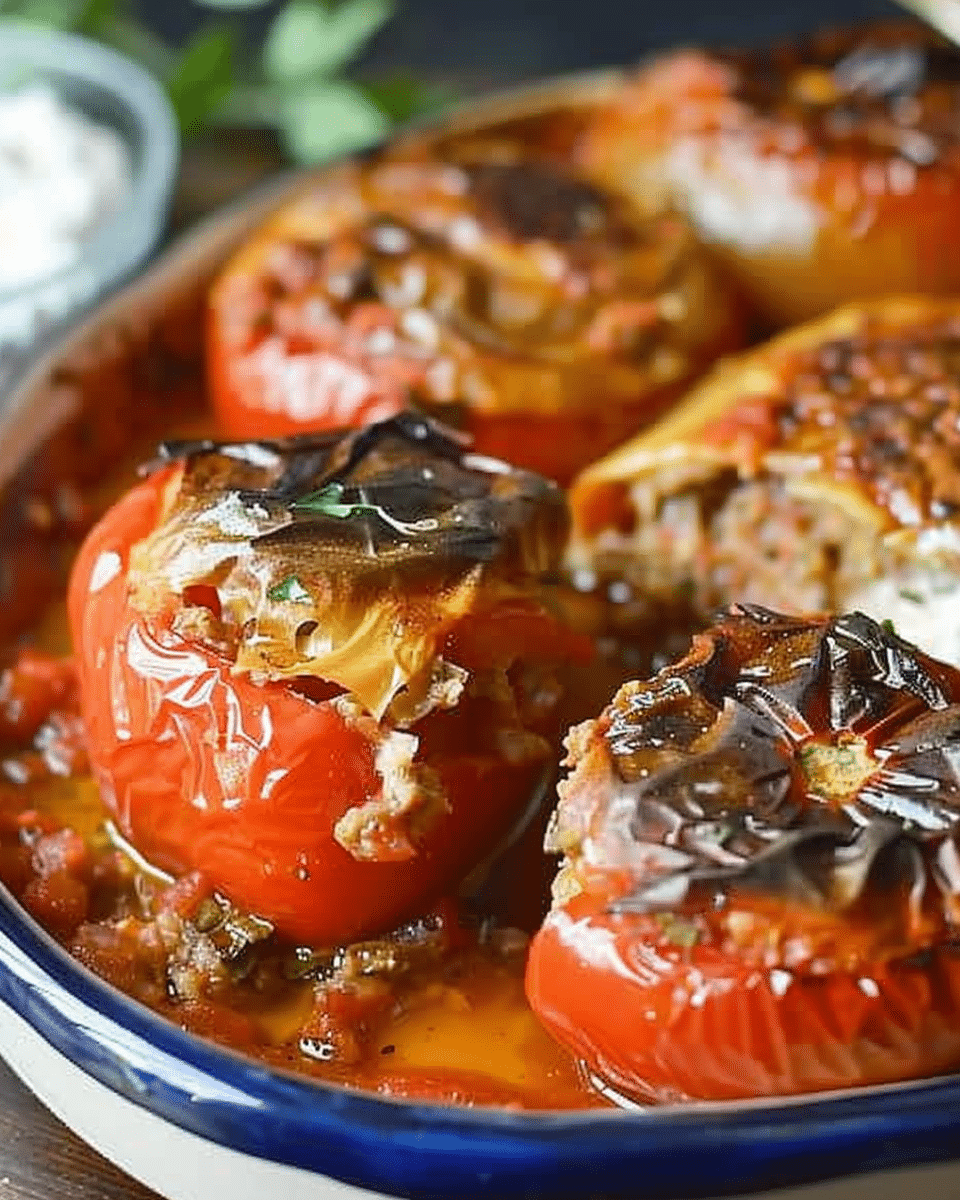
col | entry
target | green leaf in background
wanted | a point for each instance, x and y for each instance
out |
(293, 86)
(403, 96)
(60, 14)
(309, 37)
(329, 117)
(202, 76)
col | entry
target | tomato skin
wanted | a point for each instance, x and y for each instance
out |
(275, 388)
(664, 1022)
(256, 396)
(205, 770)
(546, 342)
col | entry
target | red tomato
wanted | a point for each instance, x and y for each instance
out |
(668, 1022)
(276, 387)
(549, 338)
(203, 769)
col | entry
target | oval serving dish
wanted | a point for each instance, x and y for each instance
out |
(193, 1120)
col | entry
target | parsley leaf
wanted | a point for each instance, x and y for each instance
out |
(329, 501)
(290, 590)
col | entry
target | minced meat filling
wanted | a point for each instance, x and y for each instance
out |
(751, 541)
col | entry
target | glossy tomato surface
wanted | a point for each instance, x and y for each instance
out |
(204, 769)
(663, 1016)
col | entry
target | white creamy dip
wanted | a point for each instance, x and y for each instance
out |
(61, 177)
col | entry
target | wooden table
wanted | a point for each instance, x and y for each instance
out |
(40, 1159)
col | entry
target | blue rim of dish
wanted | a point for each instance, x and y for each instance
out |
(433, 1152)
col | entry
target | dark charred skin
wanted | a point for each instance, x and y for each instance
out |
(527, 201)
(349, 557)
(404, 493)
(804, 761)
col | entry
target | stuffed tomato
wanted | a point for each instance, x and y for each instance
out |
(820, 171)
(760, 890)
(542, 314)
(320, 672)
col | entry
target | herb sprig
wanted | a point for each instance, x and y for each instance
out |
(331, 501)
(296, 84)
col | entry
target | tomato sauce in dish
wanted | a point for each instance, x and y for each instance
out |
(436, 1010)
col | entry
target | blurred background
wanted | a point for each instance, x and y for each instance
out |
(259, 84)
(501, 40)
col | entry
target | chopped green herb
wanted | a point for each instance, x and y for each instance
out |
(290, 589)
(909, 594)
(329, 501)
(888, 626)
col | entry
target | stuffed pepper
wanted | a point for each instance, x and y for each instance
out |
(820, 172)
(538, 312)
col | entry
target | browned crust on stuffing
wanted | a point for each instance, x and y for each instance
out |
(859, 408)
(528, 280)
